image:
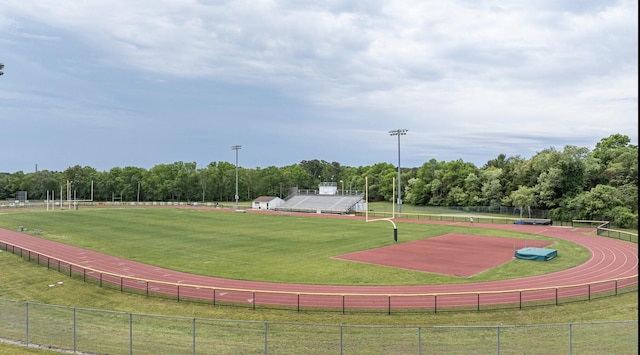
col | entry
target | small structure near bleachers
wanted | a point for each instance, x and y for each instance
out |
(266, 202)
(327, 199)
(539, 254)
(328, 188)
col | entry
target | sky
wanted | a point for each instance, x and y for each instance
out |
(140, 83)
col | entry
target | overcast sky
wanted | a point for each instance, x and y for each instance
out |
(139, 83)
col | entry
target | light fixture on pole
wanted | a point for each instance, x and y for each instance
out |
(236, 148)
(399, 132)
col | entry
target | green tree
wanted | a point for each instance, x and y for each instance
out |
(295, 176)
(491, 191)
(523, 197)
(223, 176)
(415, 192)
(596, 204)
(381, 186)
(41, 182)
(80, 182)
(473, 188)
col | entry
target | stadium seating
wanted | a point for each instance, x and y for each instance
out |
(322, 204)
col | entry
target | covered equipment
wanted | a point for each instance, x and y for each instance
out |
(539, 254)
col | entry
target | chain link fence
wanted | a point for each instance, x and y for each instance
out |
(106, 332)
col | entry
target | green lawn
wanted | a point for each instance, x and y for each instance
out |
(277, 248)
(26, 281)
(195, 240)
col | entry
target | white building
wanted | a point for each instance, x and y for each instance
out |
(266, 202)
(328, 188)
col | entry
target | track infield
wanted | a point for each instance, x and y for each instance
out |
(613, 264)
(473, 254)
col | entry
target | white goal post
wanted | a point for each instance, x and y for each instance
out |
(393, 215)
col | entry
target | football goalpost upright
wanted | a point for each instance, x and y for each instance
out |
(393, 215)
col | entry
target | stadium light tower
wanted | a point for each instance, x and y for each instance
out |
(399, 132)
(236, 148)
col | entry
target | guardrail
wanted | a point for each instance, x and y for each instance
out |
(342, 302)
(602, 229)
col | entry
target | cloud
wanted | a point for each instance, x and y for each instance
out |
(462, 76)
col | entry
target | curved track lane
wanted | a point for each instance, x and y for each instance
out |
(610, 259)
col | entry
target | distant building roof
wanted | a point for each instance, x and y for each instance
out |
(265, 199)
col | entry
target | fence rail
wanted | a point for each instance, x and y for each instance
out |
(338, 302)
(83, 330)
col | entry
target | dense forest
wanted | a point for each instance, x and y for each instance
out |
(575, 183)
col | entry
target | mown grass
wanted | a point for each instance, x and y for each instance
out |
(276, 248)
(25, 281)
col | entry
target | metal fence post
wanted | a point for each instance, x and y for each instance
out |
(27, 323)
(520, 300)
(266, 338)
(435, 304)
(130, 333)
(194, 335)
(75, 342)
(498, 340)
(341, 341)
(570, 338)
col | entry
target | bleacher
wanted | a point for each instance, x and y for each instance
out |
(322, 204)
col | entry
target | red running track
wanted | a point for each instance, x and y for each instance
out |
(610, 259)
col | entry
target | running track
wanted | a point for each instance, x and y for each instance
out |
(610, 259)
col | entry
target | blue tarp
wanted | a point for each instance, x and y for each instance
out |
(539, 254)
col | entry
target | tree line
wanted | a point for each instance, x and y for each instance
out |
(572, 183)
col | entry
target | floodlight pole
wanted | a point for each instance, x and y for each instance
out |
(236, 148)
(399, 132)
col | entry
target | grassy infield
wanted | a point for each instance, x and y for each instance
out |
(271, 248)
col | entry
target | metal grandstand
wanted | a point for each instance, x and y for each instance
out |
(327, 199)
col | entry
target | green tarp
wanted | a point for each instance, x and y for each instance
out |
(539, 254)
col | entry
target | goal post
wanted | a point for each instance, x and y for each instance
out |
(390, 220)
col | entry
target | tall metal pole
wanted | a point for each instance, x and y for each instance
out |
(399, 132)
(236, 148)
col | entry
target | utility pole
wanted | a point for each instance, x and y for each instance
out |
(236, 148)
(399, 132)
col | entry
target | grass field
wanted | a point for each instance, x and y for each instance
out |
(200, 236)
(276, 248)
(28, 282)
